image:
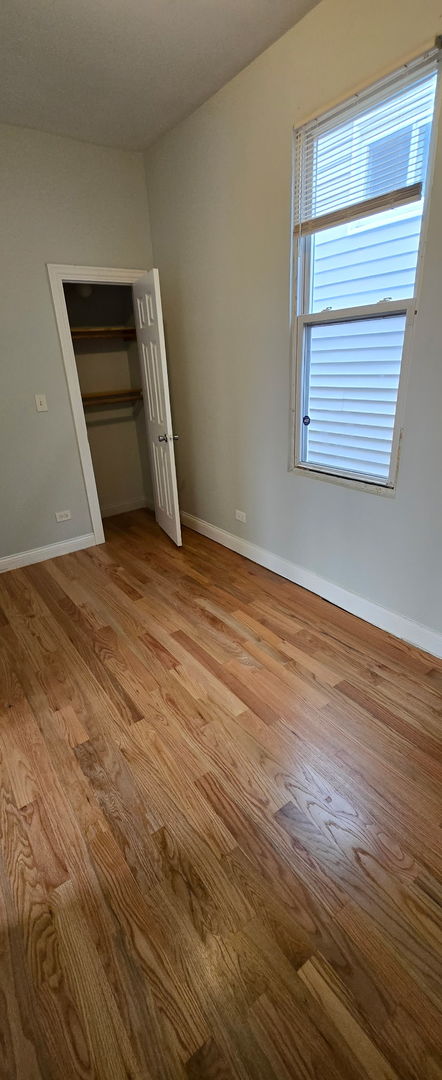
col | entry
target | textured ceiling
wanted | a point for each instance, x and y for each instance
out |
(121, 72)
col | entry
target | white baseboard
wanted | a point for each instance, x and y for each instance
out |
(125, 507)
(406, 629)
(50, 551)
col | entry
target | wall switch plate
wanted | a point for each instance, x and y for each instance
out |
(41, 403)
(63, 515)
(240, 515)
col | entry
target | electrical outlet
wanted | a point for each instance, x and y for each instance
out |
(41, 403)
(240, 515)
(62, 515)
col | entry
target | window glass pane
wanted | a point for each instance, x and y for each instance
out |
(366, 261)
(352, 376)
(375, 150)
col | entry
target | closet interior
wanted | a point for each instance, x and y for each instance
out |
(104, 339)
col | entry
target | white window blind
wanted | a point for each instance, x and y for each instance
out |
(367, 153)
(360, 182)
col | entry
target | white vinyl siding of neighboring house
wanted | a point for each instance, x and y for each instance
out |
(353, 384)
(356, 278)
(356, 268)
(355, 366)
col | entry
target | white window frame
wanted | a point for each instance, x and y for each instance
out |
(301, 318)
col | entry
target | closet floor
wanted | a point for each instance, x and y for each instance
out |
(220, 825)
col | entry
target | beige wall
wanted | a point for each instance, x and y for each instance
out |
(219, 196)
(61, 201)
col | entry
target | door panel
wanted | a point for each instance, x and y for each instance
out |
(152, 350)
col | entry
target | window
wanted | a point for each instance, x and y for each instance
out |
(359, 189)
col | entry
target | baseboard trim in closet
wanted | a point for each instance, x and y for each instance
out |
(49, 551)
(424, 637)
(125, 507)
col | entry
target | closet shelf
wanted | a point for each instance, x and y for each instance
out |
(82, 333)
(112, 397)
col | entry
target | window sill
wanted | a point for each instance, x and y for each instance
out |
(344, 481)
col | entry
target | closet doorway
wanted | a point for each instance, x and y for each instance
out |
(112, 337)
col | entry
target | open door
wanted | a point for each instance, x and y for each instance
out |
(152, 349)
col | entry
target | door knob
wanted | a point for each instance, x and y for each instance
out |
(175, 437)
(162, 438)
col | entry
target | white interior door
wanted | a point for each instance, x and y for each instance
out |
(152, 349)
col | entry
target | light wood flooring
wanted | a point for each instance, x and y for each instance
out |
(220, 825)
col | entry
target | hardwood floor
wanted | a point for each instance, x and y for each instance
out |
(220, 825)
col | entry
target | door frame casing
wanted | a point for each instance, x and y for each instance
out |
(59, 275)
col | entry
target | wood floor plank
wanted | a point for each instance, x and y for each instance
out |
(373, 794)
(303, 928)
(296, 1049)
(366, 759)
(122, 808)
(220, 825)
(108, 1045)
(209, 1063)
(79, 633)
(20, 1045)
(267, 841)
(412, 922)
(418, 699)
(320, 979)
(314, 1037)
(59, 1019)
(411, 1036)
(52, 869)
(146, 938)
(170, 790)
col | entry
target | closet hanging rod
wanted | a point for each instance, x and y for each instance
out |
(112, 397)
(83, 333)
